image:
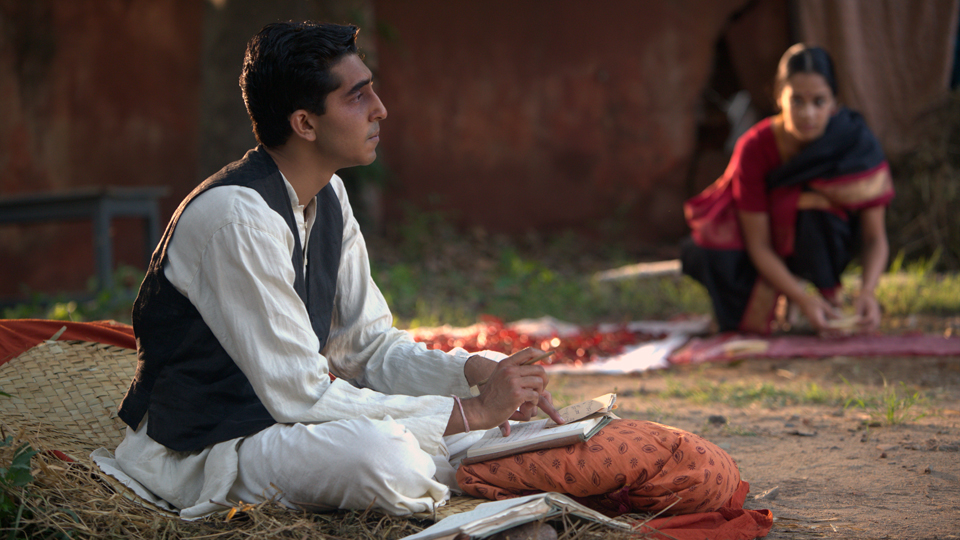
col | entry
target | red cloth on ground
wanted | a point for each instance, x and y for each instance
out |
(716, 348)
(731, 522)
(19, 335)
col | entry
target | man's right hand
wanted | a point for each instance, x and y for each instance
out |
(513, 392)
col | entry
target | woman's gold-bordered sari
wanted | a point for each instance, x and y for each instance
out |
(814, 223)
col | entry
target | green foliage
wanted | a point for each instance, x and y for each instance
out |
(518, 287)
(431, 274)
(894, 405)
(914, 287)
(16, 475)
(428, 288)
(113, 302)
(423, 232)
(40, 306)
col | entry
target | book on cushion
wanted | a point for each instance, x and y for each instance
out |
(583, 420)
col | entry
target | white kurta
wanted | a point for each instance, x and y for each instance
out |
(230, 256)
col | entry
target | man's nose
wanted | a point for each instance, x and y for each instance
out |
(379, 111)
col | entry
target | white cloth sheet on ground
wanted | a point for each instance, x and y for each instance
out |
(649, 355)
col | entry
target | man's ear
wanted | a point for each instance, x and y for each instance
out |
(301, 121)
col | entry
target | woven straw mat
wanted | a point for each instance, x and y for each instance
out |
(66, 393)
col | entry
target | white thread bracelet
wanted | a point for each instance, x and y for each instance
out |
(466, 425)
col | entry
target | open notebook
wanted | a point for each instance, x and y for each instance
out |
(583, 420)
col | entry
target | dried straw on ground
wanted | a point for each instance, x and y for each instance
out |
(63, 404)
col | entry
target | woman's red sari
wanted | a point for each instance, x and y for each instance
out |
(813, 202)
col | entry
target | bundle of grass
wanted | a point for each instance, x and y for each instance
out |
(923, 220)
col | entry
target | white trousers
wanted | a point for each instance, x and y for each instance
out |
(350, 464)
(344, 464)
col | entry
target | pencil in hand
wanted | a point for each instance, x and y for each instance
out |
(527, 362)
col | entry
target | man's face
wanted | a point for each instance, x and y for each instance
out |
(349, 131)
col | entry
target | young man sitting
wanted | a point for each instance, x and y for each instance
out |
(260, 290)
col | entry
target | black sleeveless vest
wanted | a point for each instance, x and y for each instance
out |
(195, 393)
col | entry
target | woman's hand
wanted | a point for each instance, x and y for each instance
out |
(756, 235)
(818, 311)
(868, 309)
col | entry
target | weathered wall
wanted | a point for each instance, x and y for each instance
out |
(92, 93)
(539, 114)
(546, 114)
(125, 93)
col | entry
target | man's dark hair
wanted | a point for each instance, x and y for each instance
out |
(286, 68)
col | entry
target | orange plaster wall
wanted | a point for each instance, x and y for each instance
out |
(92, 93)
(545, 114)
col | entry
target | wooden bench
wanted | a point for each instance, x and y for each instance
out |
(101, 205)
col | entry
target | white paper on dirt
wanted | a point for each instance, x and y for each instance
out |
(649, 355)
(492, 517)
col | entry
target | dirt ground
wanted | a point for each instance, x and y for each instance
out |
(834, 472)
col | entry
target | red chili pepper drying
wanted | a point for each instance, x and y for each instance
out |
(491, 334)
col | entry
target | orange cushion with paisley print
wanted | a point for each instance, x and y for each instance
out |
(628, 466)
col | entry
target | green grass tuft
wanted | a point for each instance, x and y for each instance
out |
(892, 406)
(744, 393)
